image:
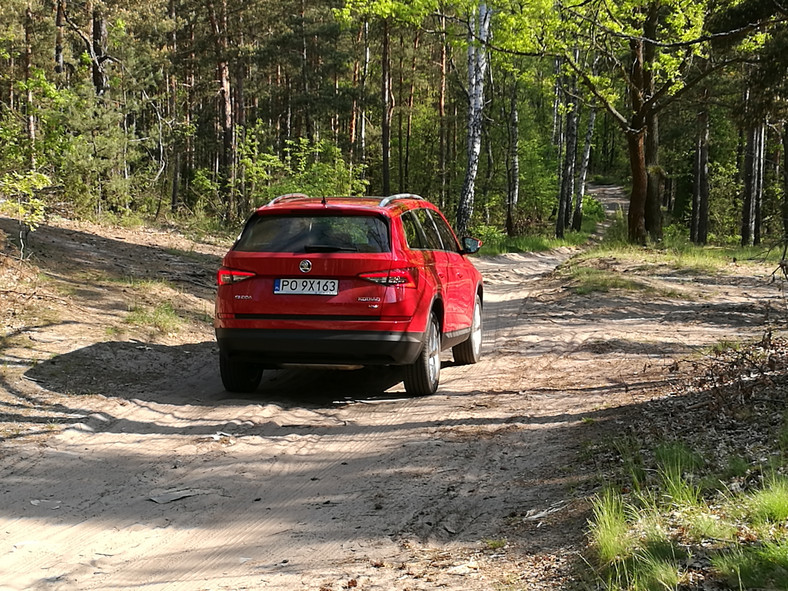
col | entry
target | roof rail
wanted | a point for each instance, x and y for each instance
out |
(386, 200)
(287, 196)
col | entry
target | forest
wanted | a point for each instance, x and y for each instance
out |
(500, 112)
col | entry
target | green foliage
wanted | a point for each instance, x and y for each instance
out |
(316, 169)
(21, 188)
(593, 210)
(305, 79)
(204, 197)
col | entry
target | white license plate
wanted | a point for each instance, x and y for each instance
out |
(306, 286)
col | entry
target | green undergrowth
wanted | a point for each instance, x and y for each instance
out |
(669, 531)
(704, 505)
(541, 237)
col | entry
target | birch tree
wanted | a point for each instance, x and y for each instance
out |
(479, 34)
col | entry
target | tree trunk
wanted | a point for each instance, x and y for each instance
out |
(653, 211)
(60, 23)
(568, 173)
(100, 80)
(513, 162)
(401, 117)
(577, 216)
(30, 119)
(636, 217)
(785, 181)
(409, 123)
(385, 92)
(226, 156)
(477, 69)
(750, 187)
(760, 163)
(653, 214)
(702, 234)
(636, 135)
(696, 174)
(442, 140)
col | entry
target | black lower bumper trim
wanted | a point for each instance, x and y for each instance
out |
(271, 348)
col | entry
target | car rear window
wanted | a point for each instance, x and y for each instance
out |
(309, 233)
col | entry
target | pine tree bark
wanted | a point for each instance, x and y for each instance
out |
(442, 127)
(653, 210)
(636, 135)
(226, 156)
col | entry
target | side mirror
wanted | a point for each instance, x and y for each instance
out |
(471, 245)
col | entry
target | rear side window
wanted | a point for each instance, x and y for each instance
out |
(430, 232)
(447, 236)
(413, 232)
(323, 233)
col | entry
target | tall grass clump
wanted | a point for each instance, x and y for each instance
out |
(760, 567)
(609, 530)
(163, 318)
(770, 504)
(675, 466)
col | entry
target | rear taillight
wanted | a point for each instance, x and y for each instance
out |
(395, 277)
(225, 276)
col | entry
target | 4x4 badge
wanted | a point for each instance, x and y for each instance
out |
(305, 266)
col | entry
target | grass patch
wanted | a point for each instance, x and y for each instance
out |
(496, 544)
(675, 465)
(162, 318)
(764, 567)
(609, 530)
(643, 538)
(770, 504)
(497, 243)
(587, 280)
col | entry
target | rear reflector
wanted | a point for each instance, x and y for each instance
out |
(395, 277)
(225, 276)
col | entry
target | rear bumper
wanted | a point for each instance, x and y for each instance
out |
(271, 348)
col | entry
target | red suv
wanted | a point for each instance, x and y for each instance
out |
(347, 282)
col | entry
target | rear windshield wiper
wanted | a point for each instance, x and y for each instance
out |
(328, 248)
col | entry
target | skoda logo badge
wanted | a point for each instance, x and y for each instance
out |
(305, 266)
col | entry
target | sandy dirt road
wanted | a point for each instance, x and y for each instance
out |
(131, 467)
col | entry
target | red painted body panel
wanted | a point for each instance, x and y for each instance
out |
(444, 283)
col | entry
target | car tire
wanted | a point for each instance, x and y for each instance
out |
(423, 375)
(469, 351)
(238, 376)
